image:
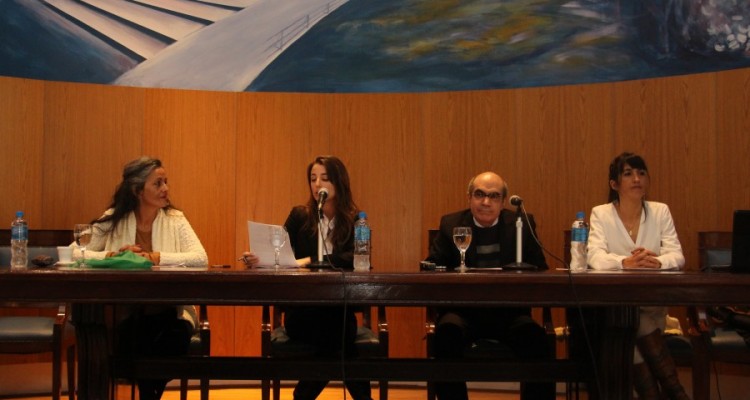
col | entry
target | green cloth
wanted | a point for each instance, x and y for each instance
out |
(124, 260)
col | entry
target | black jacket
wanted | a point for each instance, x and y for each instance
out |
(305, 241)
(444, 252)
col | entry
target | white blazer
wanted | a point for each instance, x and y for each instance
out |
(609, 242)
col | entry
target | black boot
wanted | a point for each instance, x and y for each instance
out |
(360, 390)
(308, 390)
(644, 382)
(662, 366)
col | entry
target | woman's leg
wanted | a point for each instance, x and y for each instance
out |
(645, 383)
(653, 349)
(161, 334)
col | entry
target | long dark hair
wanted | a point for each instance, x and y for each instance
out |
(125, 200)
(345, 208)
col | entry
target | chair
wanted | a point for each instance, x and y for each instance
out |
(718, 343)
(482, 349)
(277, 344)
(200, 345)
(37, 328)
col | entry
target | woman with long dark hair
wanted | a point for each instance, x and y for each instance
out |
(142, 219)
(321, 327)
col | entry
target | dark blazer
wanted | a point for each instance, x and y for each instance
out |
(444, 252)
(305, 241)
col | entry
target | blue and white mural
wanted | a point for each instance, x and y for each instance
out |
(368, 45)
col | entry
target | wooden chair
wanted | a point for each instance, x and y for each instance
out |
(37, 328)
(718, 342)
(200, 345)
(275, 343)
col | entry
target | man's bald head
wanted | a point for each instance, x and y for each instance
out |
(486, 194)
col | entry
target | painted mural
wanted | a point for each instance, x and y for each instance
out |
(368, 45)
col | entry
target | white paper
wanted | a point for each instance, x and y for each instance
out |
(260, 244)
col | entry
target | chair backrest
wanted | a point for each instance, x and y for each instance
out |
(42, 237)
(41, 242)
(431, 235)
(715, 249)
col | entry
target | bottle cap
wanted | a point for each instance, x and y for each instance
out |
(19, 214)
(362, 215)
(580, 215)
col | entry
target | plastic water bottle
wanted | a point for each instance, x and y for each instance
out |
(579, 236)
(19, 240)
(362, 243)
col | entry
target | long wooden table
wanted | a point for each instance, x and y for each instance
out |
(618, 294)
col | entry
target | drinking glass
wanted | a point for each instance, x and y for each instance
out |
(82, 236)
(462, 240)
(278, 238)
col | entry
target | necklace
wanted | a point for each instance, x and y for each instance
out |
(630, 230)
(633, 226)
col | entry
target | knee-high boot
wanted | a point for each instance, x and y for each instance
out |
(645, 383)
(662, 366)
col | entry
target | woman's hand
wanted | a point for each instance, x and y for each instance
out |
(135, 248)
(641, 258)
(250, 259)
(302, 262)
(154, 256)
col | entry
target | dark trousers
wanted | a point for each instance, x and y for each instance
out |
(161, 334)
(457, 329)
(329, 330)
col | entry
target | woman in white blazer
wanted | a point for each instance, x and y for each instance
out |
(632, 233)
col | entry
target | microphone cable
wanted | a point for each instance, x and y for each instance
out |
(578, 307)
(345, 300)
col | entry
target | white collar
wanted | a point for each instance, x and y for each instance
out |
(480, 225)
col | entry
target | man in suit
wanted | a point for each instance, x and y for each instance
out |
(493, 244)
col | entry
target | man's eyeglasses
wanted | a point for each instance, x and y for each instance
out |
(480, 195)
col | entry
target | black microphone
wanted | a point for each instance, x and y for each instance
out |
(516, 200)
(322, 196)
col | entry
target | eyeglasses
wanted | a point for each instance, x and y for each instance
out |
(481, 195)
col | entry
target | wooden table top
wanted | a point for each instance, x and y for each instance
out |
(253, 287)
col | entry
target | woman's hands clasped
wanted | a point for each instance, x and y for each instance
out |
(153, 256)
(641, 258)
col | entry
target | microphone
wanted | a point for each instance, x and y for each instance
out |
(322, 196)
(516, 200)
(519, 265)
(320, 263)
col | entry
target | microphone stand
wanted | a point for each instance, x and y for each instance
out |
(320, 263)
(519, 265)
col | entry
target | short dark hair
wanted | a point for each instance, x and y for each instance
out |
(617, 167)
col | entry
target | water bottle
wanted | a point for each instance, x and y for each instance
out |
(19, 240)
(579, 236)
(361, 243)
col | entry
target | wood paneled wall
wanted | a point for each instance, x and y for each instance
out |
(238, 156)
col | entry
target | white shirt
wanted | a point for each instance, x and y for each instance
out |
(327, 226)
(609, 242)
